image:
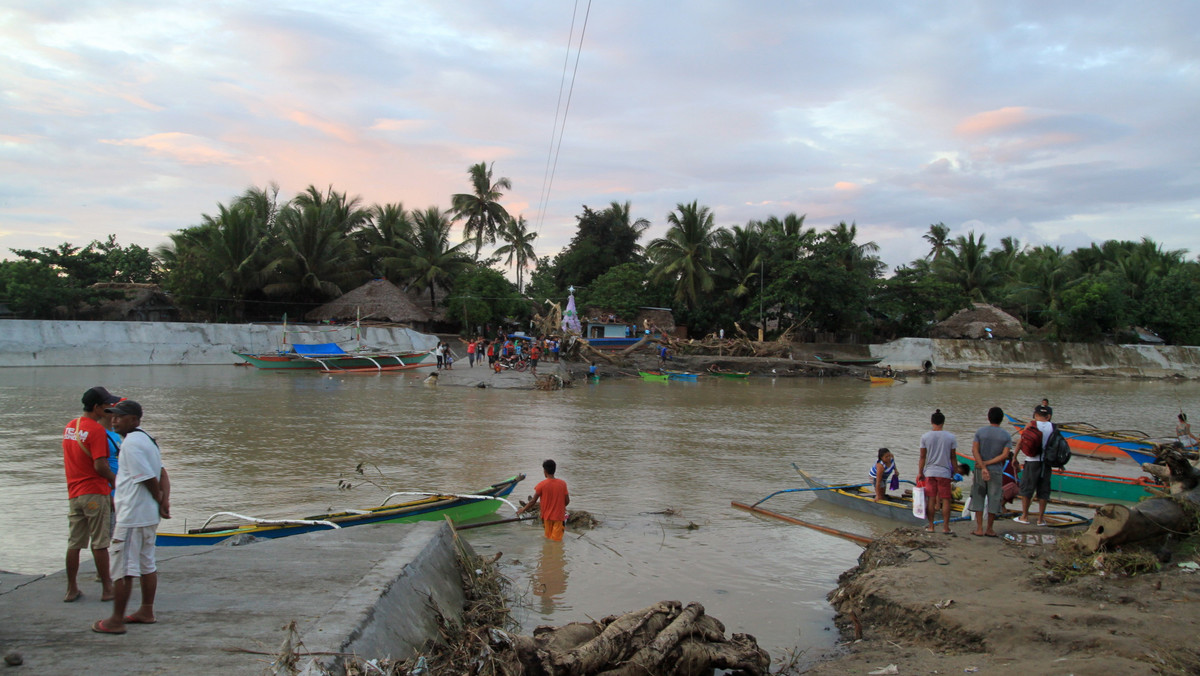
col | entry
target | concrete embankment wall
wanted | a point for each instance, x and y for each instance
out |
(79, 343)
(1007, 357)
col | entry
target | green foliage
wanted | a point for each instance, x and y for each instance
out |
(603, 240)
(624, 289)
(33, 290)
(912, 300)
(1094, 306)
(1170, 308)
(481, 207)
(482, 295)
(685, 256)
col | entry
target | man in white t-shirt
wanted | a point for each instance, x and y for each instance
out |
(142, 499)
(1035, 479)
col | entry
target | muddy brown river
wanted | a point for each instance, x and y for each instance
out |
(657, 463)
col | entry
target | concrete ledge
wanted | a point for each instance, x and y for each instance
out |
(365, 590)
(73, 343)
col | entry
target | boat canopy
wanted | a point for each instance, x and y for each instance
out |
(318, 349)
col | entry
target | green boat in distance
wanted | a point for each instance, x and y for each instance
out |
(1103, 486)
(653, 376)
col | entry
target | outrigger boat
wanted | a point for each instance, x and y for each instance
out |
(431, 507)
(846, 361)
(331, 358)
(1085, 439)
(732, 375)
(861, 497)
(1103, 486)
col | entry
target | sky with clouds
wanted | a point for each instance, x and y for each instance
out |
(1058, 123)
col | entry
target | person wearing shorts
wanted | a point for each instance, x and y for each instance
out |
(142, 499)
(936, 466)
(89, 483)
(553, 495)
(990, 449)
(1035, 481)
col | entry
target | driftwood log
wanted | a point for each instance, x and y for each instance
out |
(1173, 514)
(666, 638)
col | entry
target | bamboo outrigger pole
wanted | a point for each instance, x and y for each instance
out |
(860, 539)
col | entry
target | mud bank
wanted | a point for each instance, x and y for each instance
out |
(77, 343)
(929, 603)
(1008, 357)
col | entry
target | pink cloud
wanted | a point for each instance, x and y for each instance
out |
(185, 148)
(993, 121)
(338, 131)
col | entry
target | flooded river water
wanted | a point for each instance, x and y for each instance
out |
(276, 444)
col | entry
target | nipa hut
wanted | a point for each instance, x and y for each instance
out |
(133, 302)
(975, 321)
(379, 301)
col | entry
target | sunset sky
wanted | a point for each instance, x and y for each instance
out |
(1058, 123)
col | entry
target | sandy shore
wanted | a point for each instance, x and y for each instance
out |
(932, 604)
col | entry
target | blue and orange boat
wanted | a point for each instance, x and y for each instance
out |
(1086, 439)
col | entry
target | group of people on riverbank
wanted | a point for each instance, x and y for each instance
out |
(506, 350)
(118, 490)
(1000, 474)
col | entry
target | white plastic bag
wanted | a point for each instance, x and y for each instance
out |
(919, 500)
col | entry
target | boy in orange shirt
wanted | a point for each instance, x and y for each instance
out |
(552, 493)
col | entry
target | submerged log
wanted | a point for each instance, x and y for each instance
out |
(1121, 524)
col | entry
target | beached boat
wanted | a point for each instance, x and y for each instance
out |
(653, 376)
(331, 357)
(1103, 486)
(846, 361)
(1086, 439)
(431, 507)
(731, 375)
(899, 508)
(682, 375)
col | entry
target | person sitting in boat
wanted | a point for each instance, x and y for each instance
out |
(884, 471)
(1183, 430)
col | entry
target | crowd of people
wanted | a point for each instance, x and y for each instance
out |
(506, 351)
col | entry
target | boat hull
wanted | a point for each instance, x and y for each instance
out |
(653, 377)
(292, 361)
(1103, 486)
(433, 508)
(1100, 444)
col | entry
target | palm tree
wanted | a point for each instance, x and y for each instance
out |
(383, 235)
(317, 257)
(740, 252)
(854, 256)
(627, 230)
(429, 259)
(519, 248)
(938, 238)
(965, 263)
(481, 208)
(685, 254)
(787, 238)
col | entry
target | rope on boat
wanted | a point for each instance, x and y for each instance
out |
(465, 496)
(271, 522)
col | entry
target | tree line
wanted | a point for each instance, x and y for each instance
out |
(256, 259)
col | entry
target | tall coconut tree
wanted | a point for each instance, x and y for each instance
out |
(685, 255)
(382, 236)
(626, 231)
(481, 208)
(739, 255)
(939, 239)
(316, 257)
(429, 259)
(854, 255)
(965, 263)
(518, 247)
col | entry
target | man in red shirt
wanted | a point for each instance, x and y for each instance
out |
(89, 484)
(552, 493)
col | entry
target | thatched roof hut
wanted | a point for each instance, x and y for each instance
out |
(378, 300)
(974, 322)
(133, 302)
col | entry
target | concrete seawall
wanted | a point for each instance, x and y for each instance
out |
(368, 590)
(1006, 357)
(75, 343)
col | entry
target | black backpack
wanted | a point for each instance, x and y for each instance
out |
(1057, 452)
